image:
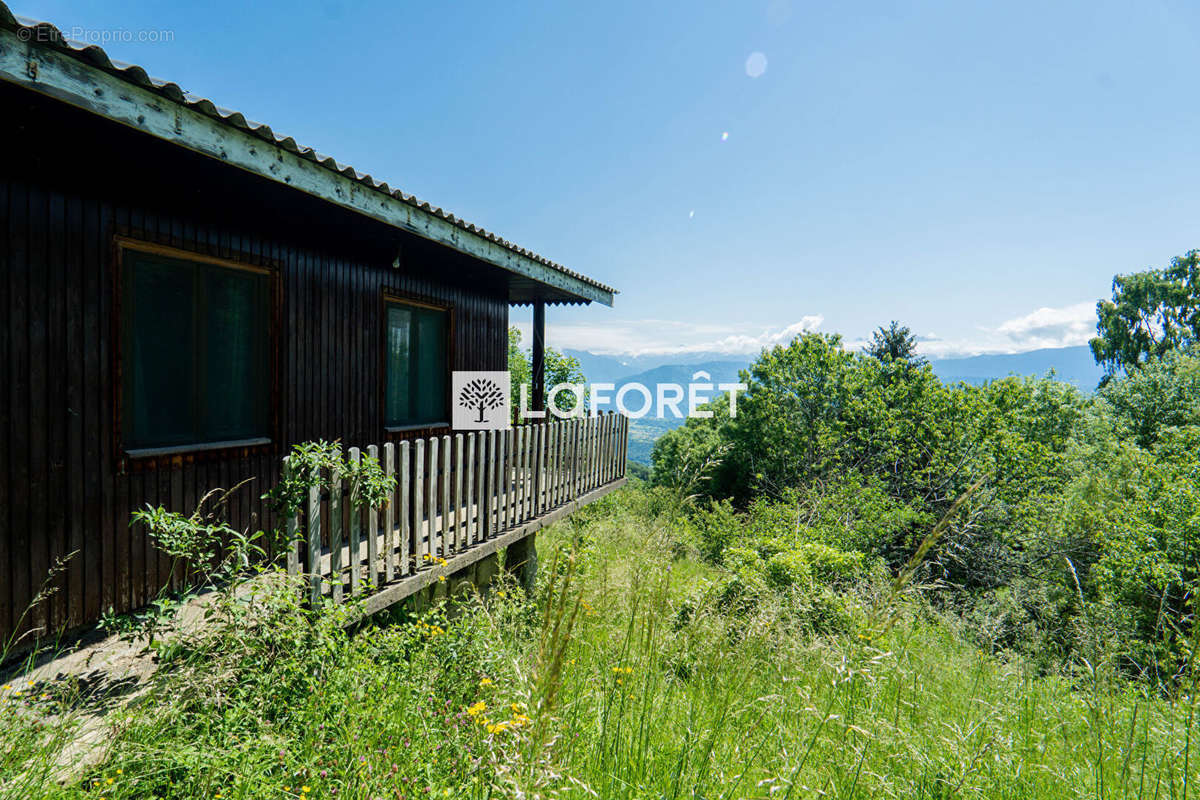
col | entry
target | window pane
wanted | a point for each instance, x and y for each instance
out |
(416, 365)
(158, 355)
(399, 359)
(196, 352)
(430, 372)
(234, 355)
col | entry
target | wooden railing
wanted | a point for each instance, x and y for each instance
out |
(454, 493)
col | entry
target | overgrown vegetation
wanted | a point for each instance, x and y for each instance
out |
(630, 673)
(868, 583)
(1085, 519)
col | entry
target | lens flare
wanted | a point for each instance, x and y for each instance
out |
(756, 64)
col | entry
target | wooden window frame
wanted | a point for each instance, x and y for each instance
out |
(150, 457)
(394, 297)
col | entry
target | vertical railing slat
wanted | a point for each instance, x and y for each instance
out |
(337, 567)
(538, 448)
(431, 498)
(292, 526)
(489, 495)
(522, 471)
(502, 479)
(480, 476)
(354, 455)
(418, 519)
(314, 545)
(405, 489)
(372, 534)
(468, 509)
(389, 517)
(444, 483)
(460, 541)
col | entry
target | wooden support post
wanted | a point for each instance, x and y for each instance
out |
(520, 560)
(538, 361)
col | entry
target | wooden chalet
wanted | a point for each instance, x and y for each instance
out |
(186, 294)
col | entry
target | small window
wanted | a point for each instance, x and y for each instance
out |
(416, 365)
(195, 352)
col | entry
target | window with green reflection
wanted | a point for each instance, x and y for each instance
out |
(195, 355)
(416, 365)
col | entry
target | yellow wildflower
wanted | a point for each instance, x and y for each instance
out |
(441, 577)
(477, 709)
(485, 682)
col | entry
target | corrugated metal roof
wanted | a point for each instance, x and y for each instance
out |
(47, 34)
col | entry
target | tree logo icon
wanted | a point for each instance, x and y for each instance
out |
(481, 395)
(481, 400)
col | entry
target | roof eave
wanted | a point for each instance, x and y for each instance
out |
(55, 73)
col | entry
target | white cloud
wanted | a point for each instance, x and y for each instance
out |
(669, 337)
(1068, 326)
(1043, 328)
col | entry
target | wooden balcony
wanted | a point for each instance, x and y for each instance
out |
(459, 498)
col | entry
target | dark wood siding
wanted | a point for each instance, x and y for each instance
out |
(65, 485)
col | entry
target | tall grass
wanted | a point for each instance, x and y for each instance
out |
(708, 704)
(627, 677)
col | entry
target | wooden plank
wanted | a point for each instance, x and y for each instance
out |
(488, 473)
(410, 586)
(354, 456)
(468, 507)
(389, 516)
(431, 499)
(624, 445)
(527, 472)
(406, 526)
(444, 483)
(502, 492)
(518, 474)
(480, 469)
(538, 443)
(291, 526)
(552, 466)
(420, 544)
(577, 460)
(314, 545)
(460, 539)
(337, 567)
(372, 532)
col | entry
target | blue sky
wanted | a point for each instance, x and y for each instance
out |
(978, 171)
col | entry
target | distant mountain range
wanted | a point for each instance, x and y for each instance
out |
(1069, 364)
